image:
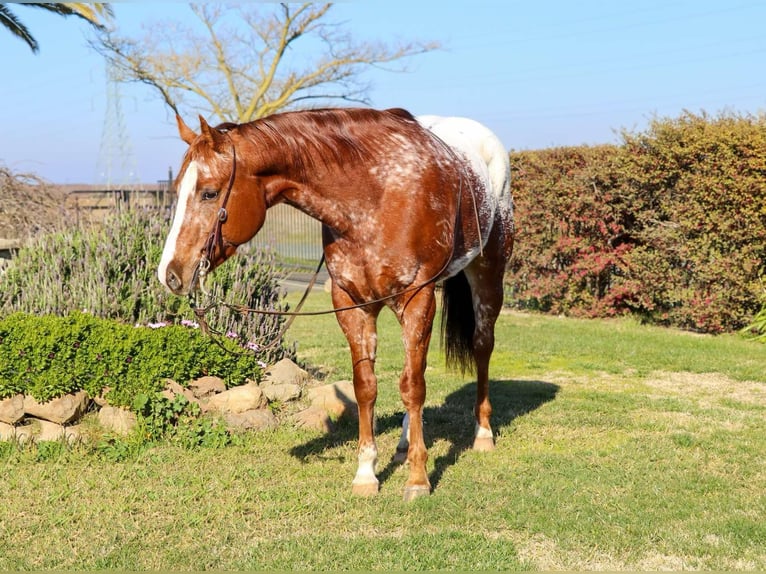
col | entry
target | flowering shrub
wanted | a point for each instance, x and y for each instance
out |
(670, 225)
(110, 272)
(701, 229)
(571, 226)
(49, 356)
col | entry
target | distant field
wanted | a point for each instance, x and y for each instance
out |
(619, 446)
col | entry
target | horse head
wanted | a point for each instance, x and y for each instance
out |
(220, 206)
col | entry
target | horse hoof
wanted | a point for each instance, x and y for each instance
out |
(413, 492)
(366, 489)
(483, 444)
(400, 457)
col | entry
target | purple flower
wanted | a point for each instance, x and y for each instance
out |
(157, 325)
(262, 365)
(232, 335)
(188, 323)
(252, 346)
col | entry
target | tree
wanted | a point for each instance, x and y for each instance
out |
(242, 72)
(92, 13)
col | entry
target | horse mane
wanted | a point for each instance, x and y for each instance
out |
(318, 138)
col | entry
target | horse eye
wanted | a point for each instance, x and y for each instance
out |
(209, 194)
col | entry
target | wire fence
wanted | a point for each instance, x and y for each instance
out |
(294, 237)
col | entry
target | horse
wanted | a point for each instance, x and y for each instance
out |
(405, 203)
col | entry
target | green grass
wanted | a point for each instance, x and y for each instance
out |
(619, 446)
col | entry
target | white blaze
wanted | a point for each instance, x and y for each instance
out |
(188, 185)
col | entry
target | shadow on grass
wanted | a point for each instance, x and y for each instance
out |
(451, 421)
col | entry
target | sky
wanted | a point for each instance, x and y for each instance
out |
(539, 74)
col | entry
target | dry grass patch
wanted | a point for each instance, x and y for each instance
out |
(708, 388)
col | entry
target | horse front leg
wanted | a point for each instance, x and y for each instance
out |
(416, 318)
(359, 326)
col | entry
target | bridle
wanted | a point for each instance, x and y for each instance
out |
(216, 240)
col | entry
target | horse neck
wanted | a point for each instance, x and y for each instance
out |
(312, 176)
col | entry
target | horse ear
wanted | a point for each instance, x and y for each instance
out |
(187, 135)
(216, 139)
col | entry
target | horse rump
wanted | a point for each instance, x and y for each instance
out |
(458, 323)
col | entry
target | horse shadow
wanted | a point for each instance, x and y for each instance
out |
(451, 421)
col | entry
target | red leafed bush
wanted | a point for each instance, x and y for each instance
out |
(572, 222)
(671, 224)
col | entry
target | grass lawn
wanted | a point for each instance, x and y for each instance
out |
(619, 446)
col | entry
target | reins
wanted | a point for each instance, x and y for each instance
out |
(216, 239)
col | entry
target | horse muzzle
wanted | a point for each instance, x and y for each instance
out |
(173, 280)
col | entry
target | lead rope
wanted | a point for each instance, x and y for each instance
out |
(200, 312)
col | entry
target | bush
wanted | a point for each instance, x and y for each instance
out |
(571, 222)
(49, 356)
(670, 225)
(110, 272)
(700, 234)
(30, 205)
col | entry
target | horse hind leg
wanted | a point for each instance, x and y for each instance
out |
(467, 332)
(487, 291)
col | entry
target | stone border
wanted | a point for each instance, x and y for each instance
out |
(304, 401)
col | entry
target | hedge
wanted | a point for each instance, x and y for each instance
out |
(669, 225)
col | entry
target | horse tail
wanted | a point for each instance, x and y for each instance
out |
(458, 323)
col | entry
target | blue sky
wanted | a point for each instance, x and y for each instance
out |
(540, 74)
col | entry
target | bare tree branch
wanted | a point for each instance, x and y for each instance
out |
(241, 63)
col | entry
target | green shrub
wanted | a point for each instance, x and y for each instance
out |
(110, 271)
(700, 234)
(50, 356)
(670, 225)
(756, 330)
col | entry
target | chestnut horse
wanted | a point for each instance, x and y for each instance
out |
(403, 203)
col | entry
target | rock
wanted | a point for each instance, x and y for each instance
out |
(20, 433)
(100, 400)
(205, 387)
(237, 400)
(172, 389)
(7, 431)
(256, 419)
(285, 371)
(313, 417)
(62, 410)
(337, 399)
(12, 409)
(117, 420)
(283, 392)
(49, 431)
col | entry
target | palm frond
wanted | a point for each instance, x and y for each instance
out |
(92, 13)
(10, 22)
